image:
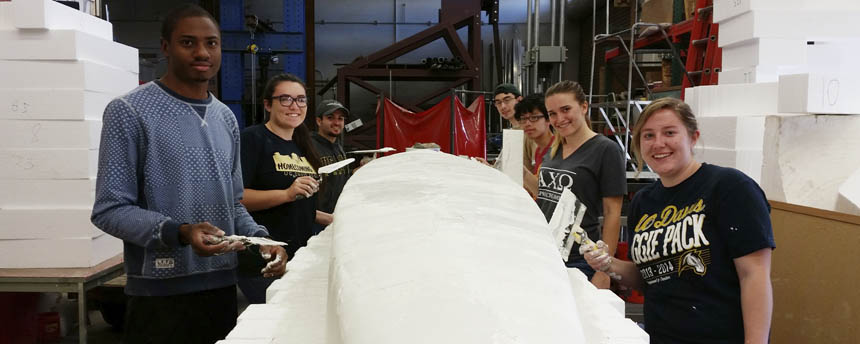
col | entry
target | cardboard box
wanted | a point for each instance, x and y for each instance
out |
(657, 11)
(47, 224)
(58, 253)
(86, 75)
(68, 45)
(24, 134)
(47, 14)
(47, 193)
(52, 104)
(48, 163)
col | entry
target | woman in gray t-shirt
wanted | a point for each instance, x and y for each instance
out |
(589, 165)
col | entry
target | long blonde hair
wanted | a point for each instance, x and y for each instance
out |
(681, 109)
(571, 87)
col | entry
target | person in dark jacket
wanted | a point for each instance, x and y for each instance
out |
(330, 116)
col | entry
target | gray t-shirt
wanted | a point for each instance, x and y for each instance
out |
(595, 170)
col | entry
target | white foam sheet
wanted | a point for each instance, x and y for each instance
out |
(48, 163)
(46, 224)
(725, 9)
(512, 155)
(414, 257)
(849, 195)
(87, 75)
(422, 253)
(757, 74)
(808, 157)
(40, 134)
(734, 100)
(731, 132)
(6, 16)
(833, 92)
(52, 104)
(765, 51)
(789, 23)
(47, 193)
(605, 324)
(69, 45)
(58, 253)
(245, 341)
(748, 161)
(48, 14)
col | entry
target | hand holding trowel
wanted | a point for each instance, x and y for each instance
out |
(565, 228)
(327, 169)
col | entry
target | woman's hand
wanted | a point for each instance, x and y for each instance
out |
(302, 187)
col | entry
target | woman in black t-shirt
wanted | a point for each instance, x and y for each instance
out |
(700, 240)
(279, 164)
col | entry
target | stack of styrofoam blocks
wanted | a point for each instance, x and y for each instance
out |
(777, 70)
(60, 68)
(732, 124)
(762, 39)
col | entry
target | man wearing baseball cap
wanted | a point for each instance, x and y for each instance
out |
(330, 116)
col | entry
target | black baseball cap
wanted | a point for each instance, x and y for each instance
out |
(507, 88)
(329, 106)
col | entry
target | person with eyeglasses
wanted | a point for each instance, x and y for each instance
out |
(169, 183)
(505, 99)
(531, 114)
(279, 163)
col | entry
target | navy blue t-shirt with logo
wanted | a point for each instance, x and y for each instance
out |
(272, 163)
(595, 170)
(683, 240)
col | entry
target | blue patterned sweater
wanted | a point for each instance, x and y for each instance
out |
(165, 160)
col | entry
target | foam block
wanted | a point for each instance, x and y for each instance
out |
(66, 74)
(23, 134)
(6, 16)
(789, 24)
(48, 163)
(764, 51)
(808, 157)
(604, 324)
(47, 14)
(67, 45)
(725, 9)
(849, 195)
(819, 93)
(511, 155)
(52, 104)
(246, 341)
(748, 161)
(732, 132)
(58, 253)
(47, 224)
(260, 329)
(47, 193)
(736, 99)
(757, 74)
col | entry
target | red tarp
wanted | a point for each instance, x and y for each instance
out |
(403, 128)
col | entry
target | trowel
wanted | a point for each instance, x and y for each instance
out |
(328, 169)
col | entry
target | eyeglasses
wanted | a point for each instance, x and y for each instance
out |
(506, 100)
(531, 118)
(287, 100)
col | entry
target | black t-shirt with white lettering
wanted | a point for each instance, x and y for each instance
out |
(272, 163)
(595, 170)
(683, 240)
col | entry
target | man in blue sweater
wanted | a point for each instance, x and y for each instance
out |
(169, 183)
